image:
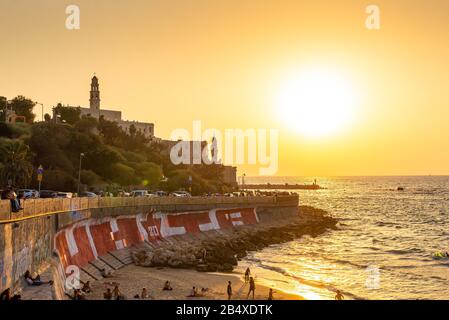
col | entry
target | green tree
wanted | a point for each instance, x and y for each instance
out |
(23, 107)
(110, 131)
(148, 172)
(122, 174)
(68, 114)
(3, 106)
(17, 168)
(87, 124)
(59, 180)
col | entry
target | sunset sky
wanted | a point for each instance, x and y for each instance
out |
(225, 62)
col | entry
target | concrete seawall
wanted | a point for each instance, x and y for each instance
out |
(39, 235)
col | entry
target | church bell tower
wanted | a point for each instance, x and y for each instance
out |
(94, 94)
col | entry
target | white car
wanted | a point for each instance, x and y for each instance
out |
(141, 193)
(181, 194)
(28, 193)
(66, 195)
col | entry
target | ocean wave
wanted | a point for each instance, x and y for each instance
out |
(308, 282)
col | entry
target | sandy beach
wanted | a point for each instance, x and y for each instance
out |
(133, 278)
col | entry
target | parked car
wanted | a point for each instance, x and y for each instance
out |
(181, 194)
(87, 194)
(160, 193)
(139, 193)
(48, 194)
(66, 195)
(28, 193)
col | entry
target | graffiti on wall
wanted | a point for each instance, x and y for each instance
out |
(86, 240)
(16, 257)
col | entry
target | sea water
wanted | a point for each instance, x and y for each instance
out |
(383, 248)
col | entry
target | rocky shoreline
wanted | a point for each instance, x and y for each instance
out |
(222, 249)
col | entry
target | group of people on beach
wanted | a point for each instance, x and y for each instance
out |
(252, 287)
(114, 294)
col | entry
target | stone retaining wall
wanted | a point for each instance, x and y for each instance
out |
(26, 244)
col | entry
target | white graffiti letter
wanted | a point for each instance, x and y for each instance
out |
(73, 19)
(72, 281)
(372, 22)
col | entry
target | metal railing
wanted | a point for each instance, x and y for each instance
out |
(33, 208)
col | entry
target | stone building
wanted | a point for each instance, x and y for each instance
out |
(195, 157)
(96, 111)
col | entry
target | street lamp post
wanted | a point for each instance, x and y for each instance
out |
(79, 173)
(42, 110)
(243, 181)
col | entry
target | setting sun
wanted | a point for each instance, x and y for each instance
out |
(316, 103)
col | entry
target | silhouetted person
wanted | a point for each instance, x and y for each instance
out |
(247, 273)
(252, 287)
(270, 294)
(117, 295)
(339, 296)
(229, 290)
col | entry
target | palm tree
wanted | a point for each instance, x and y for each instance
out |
(17, 169)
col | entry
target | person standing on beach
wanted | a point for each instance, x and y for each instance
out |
(247, 273)
(252, 287)
(144, 294)
(270, 294)
(229, 290)
(339, 296)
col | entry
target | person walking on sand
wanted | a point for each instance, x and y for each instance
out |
(252, 287)
(339, 296)
(247, 273)
(270, 294)
(229, 290)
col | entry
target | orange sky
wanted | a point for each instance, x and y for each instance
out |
(175, 61)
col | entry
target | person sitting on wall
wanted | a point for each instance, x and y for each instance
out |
(167, 286)
(36, 281)
(15, 203)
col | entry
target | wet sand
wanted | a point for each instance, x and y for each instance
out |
(133, 278)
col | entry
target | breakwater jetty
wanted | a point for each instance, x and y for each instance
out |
(81, 236)
(286, 186)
